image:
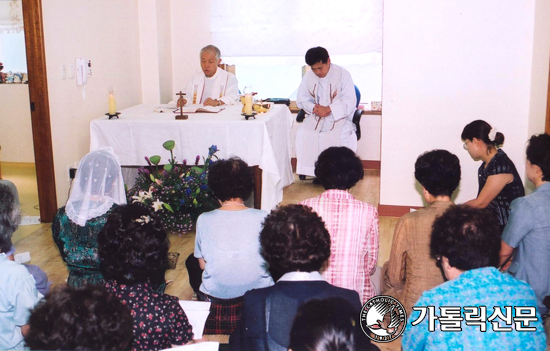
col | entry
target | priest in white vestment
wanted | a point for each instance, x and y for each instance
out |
(213, 86)
(327, 95)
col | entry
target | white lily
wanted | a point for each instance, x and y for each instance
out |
(139, 197)
(157, 205)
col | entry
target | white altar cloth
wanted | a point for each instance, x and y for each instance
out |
(264, 141)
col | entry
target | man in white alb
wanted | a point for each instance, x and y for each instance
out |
(214, 86)
(327, 95)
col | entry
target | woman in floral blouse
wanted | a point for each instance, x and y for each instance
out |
(133, 251)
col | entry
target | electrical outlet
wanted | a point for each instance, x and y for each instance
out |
(72, 173)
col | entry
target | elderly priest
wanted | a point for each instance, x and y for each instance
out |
(214, 86)
(327, 95)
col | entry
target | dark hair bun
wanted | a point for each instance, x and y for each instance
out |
(499, 139)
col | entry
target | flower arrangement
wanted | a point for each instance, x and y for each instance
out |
(176, 192)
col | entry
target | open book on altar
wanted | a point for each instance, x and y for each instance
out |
(200, 109)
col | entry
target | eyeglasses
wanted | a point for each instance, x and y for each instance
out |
(465, 145)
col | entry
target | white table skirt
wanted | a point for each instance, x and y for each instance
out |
(263, 142)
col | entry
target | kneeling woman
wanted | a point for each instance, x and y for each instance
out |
(499, 181)
(133, 251)
(227, 247)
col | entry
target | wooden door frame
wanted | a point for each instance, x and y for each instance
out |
(40, 108)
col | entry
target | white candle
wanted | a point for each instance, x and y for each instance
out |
(248, 104)
(112, 102)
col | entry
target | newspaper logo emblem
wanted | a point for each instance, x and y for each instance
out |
(383, 318)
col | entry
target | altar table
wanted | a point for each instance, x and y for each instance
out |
(263, 142)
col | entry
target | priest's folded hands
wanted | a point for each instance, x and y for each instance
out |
(322, 111)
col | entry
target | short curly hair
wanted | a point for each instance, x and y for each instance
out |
(294, 238)
(87, 318)
(230, 179)
(538, 153)
(468, 237)
(133, 246)
(10, 217)
(338, 168)
(438, 171)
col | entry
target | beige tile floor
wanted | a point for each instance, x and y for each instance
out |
(38, 241)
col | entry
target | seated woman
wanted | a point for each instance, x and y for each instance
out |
(18, 293)
(411, 270)
(528, 230)
(296, 243)
(9, 203)
(352, 224)
(329, 324)
(227, 247)
(499, 181)
(97, 189)
(83, 319)
(133, 251)
(466, 241)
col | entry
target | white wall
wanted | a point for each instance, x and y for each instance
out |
(155, 51)
(190, 33)
(15, 124)
(165, 50)
(105, 31)
(447, 63)
(149, 55)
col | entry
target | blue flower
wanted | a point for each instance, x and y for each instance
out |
(212, 149)
(188, 192)
(204, 187)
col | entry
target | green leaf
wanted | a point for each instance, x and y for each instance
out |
(168, 207)
(168, 167)
(152, 178)
(155, 159)
(198, 191)
(195, 203)
(169, 145)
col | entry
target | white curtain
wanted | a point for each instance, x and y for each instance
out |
(11, 16)
(290, 27)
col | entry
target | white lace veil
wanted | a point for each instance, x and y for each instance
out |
(97, 186)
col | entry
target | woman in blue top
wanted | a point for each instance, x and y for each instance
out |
(528, 230)
(227, 246)
(498, 179)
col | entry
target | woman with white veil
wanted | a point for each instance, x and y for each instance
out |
(98, 188)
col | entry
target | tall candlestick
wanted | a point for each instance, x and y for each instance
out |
(112, 102)
(248, 104)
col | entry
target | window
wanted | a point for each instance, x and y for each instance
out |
(268, 43)
(12, 37)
